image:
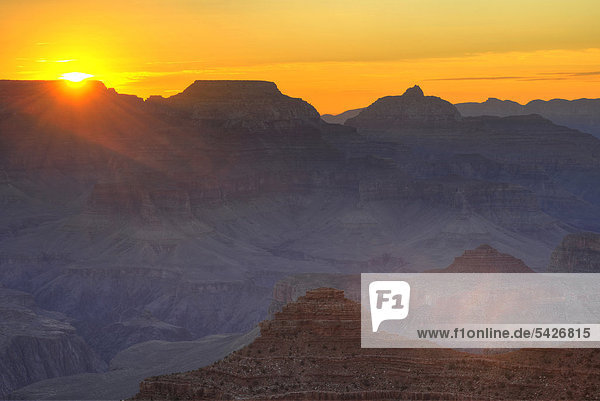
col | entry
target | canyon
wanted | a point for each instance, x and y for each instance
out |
(172, 219)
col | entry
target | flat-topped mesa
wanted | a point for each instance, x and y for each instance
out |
(486, 259)
(226, 89)
(411, 110)
(249, 104)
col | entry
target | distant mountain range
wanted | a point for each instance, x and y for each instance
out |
(580, 114)
(340, 118)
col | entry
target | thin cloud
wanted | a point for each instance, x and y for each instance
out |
(174, 62)
(543, 76)
(473, 78)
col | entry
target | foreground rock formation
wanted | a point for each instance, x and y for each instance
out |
(311, 350)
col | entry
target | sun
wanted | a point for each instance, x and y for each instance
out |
(75, 76)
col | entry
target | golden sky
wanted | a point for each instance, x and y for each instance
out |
(336, 54)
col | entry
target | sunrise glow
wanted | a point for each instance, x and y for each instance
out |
(335, 54)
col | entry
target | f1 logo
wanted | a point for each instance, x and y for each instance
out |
(389, 301)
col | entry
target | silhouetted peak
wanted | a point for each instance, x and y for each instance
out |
(415, 91)
(412, 109)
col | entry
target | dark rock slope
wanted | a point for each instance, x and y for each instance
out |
(578, 253)
(36, 344)
(311, 350)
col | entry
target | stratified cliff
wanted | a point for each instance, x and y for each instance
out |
(311, 350)
(578, 253)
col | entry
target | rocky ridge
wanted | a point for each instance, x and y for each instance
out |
(581, 114)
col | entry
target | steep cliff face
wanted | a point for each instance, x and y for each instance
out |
(311, 350)
(578, 253)
(485, 259)
(412, 109)
(36, 344)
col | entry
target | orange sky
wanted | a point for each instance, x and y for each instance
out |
(336, 54)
